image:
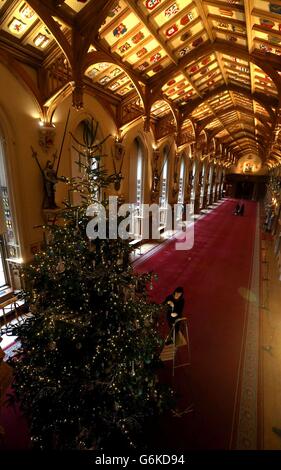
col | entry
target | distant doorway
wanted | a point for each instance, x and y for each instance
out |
(244, 190)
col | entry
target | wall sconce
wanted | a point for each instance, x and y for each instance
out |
(118, 136)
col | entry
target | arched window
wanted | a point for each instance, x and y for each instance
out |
(181, 190)
(163, 195)
(181, 182)
(139, 182)
(211, 184)
(137, 186)
(203, 183)
(9, 247)
(81, 156)
(163, 200)
(192, 194)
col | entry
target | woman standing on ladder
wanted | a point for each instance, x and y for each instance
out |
(175, 304)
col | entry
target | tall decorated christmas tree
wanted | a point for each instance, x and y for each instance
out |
(86, 373)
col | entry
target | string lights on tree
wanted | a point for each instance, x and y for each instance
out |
(85, 374)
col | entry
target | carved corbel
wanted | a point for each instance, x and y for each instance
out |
(77, 95)
(146, 123)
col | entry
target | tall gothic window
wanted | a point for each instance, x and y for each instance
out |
(203, 183)
(9, 248)
(163, 201)
(139, 185)
(164, 183)
(192, 195)
(181, 182)
(136, 196)
(181, 189)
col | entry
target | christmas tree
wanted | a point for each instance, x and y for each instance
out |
(85, 374)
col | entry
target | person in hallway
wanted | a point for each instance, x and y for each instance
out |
(237, 209)
(175, 305)
(241, 210)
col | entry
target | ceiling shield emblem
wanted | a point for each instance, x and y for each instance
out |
(151, 4)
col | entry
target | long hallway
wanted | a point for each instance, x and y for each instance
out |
(216, 276)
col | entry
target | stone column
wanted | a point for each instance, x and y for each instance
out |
(206, 186)
(197, 187)
(211, 187)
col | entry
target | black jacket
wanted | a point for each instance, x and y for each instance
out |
(178, 305)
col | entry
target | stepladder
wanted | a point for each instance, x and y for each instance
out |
(179, 336)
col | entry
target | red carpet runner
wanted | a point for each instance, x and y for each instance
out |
(215, 275)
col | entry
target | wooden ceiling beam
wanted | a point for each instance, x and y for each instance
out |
(273, 32)
(24, 54)
(204, 122)
(114, 22)
(233, 33)
(225, 126)
(248, 9)
(175, 18)
(31, 32)
(240, 52)
(233, 72)
(87, 26)
(225, 5)
(161, 78)
(204, 16)
(143, 58)
(250, 136)
(6, 10)
(156, 33)
(180, 32)
(163, 7)
(45, 13)
(226, 19)
(141, 16)
(269, 66)
(103, 56)
(264, 101)
(245, 133)
(125, 38)
(92, 15)
(265, 14)
(248, 131)
(62, 12)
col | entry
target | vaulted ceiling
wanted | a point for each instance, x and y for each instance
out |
(201, 67)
